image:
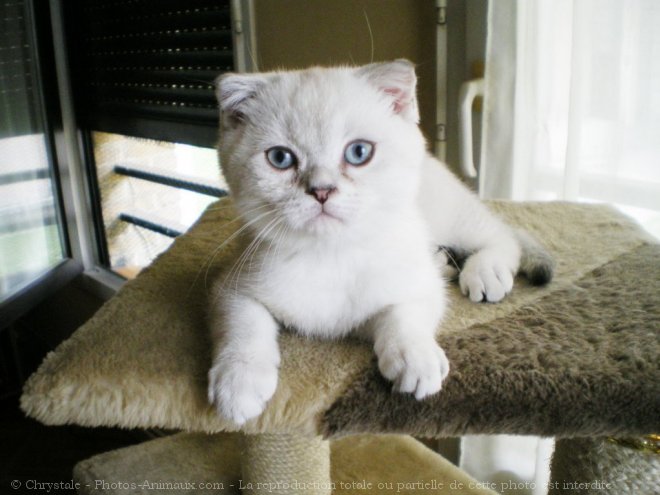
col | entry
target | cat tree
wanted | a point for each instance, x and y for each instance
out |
(577, 360)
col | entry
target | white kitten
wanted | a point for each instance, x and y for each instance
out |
(345, 212)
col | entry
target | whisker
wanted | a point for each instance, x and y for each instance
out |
(283, 233)
(371, 35)
(275, 240)
(232, 206)
(255, 62)
(237, 267)
(194, 79)
(215, 252)
(253, 251)
(209, 259)
(238, 217)
(241, 216)
(450, 257)
(247, 249)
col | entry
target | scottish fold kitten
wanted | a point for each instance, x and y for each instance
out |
(345, 213)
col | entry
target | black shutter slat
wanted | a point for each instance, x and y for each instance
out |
(146, 67)
(165, 93)
(157, 76)
(158, 39)
(137, 108)
(108, 6)
(19, 113)
(114, 28)
(208, 59)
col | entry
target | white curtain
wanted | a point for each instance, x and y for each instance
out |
(572, 104)
(572, 112)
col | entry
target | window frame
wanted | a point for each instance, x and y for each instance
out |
(81, 196)
(56, 277)
(72, 163)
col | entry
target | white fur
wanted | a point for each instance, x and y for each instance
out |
(364, 260)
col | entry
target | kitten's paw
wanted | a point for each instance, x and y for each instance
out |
(239, 391)
(418, 368)
(485, 279)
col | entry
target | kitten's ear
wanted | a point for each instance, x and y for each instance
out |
(397, 80)
(233, 90)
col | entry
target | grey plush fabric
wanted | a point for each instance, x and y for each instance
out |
(584, 360)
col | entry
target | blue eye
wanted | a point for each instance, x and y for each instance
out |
(358, 152)
(281, 157)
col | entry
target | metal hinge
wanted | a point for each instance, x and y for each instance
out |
(441, 8)
(441, 132)
(237, 18)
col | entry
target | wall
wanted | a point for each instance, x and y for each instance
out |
(299, 33)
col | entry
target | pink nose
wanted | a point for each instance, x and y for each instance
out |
(321, 193)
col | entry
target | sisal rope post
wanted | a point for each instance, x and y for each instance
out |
(285, 464)
(601, 466)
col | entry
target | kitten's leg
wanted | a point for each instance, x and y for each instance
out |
(457, 219)
(408, 354)
(243, 376)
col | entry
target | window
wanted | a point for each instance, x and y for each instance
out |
(151, 192)
(581, 86)
(142, 76)
(108, 121)
(33, 243)
(572, 112)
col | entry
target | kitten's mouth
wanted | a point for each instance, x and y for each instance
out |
(323, 216)
(325, 213)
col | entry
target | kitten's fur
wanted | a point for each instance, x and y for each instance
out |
(364, 259)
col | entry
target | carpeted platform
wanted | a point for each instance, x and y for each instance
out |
(576, 358)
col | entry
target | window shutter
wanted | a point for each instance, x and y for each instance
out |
(19, 104)
(146, 68)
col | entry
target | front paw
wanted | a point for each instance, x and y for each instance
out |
(485, 279)
(415, 367)
(238, 390)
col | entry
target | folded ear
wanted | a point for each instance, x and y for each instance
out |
(234, 90)
(397, 80)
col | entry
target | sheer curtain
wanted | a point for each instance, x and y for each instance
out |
(581, 115)
(572, 112)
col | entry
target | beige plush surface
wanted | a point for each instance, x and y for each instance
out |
(199, 463)
(184, 463)
(142, 360)
(381, 464)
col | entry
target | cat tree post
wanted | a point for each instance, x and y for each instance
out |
(286, 463)
(606, 466)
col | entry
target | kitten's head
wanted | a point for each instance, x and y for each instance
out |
(322, 150)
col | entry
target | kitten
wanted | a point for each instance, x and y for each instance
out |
(345, 211)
